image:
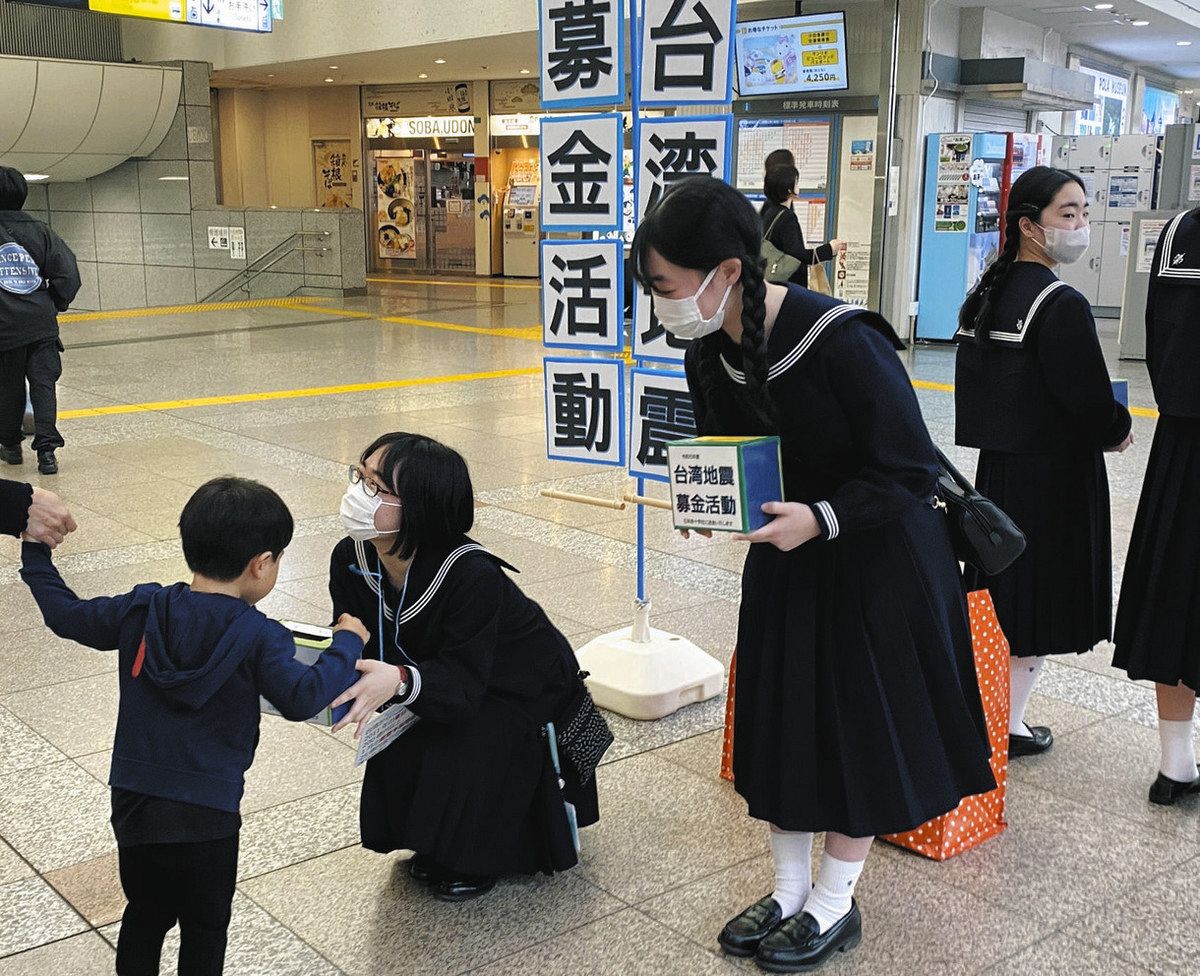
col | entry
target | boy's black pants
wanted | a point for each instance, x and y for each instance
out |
(192, 884)
(41, 364)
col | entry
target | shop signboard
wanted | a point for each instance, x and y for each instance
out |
(581, 51)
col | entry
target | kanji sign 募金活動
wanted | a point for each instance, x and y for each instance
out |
(660, 411)
(583, 295)
(582, 52)
(582, 187)
(672, 149)
(685, 51)
(585, 410)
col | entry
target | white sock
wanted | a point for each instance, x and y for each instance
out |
(1178, 753)
(1024, 672)
(792, 852)
(831, 898)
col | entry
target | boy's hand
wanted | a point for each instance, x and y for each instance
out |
(354, 626)
(49, 520)
(377, 685)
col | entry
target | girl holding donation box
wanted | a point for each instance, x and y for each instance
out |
(471, 786)
(857, 711)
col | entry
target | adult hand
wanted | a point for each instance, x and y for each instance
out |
(354, 626)
(49, 520)
(839, 246)
(377, 685)
(1122, 447)
(794, 524)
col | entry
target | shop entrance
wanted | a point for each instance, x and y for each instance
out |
(424, 218)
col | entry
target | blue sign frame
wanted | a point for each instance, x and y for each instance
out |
(726, 175)
(618, 313)
(547, 187)
(619, 419)
(637, 472)
(590, 101)
(668, 102)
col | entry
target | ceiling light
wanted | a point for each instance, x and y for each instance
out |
(270, 76)
(1187, 91)
(1103, 6)
(1183, 43)
(422, 75)
(439, 60)
(524, 71)
(36, 177)
(333, 67)
(1139, 23)
(328, 80)
(172, 179)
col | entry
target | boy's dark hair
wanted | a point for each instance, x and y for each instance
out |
(780, 183)
(434, 487)
(228, 522)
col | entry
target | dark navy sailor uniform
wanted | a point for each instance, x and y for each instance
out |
(471, 785)
(1038, 403)
(1158, 618)
(858, 707)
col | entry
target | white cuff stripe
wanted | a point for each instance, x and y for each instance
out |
(414, 690)
(831, 520)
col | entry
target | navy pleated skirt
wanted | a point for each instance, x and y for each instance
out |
(1158, 618)
(858, 706)
(1057, 597)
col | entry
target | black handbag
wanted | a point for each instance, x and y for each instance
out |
(982, 534)
(583, 735)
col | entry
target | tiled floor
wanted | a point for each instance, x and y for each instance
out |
(1088, 880)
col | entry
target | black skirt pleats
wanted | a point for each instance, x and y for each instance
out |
(1057, 597)
(1158, 617)
(857, 704)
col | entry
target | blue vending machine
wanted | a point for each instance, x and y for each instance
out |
(965, 178)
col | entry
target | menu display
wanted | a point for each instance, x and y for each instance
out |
(792, 54)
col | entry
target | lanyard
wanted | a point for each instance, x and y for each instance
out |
(378, 577)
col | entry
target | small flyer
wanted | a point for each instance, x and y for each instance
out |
(384, 729)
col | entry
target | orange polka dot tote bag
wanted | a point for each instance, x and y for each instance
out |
(976, 818)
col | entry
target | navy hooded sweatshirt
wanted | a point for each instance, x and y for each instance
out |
(192, 666)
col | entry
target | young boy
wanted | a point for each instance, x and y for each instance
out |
(193, 662)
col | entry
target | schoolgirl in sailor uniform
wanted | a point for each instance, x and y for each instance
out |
(1033, 393)
(471, 787)
(857, 709)
(1158, 617)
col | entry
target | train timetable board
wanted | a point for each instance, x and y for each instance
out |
(808, 139)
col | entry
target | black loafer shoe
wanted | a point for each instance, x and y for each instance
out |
(462, 889)
(420, 870)
(11, 455)
(798, 946)
(1038, 741)
(47, 463)
(743, 933)
(1165, 791)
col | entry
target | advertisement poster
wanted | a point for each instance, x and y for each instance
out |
(1106, 117)
(417, 100)
(331, 169)
(1123, 191)
(952, 198)
(395, 210)
(1194, 184)
(1149, 231)
(1159, 109)
(851, 277)
(794, 54)
(862, 156)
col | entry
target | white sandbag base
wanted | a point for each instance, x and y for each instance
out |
(646, 674)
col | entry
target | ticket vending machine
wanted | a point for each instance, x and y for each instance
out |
(522, 231)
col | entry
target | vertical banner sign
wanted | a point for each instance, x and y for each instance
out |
(672, 149)
(686, 52)
(584, 410)
(582, 187)
(582, 52)
(661, 411)
(583, 295)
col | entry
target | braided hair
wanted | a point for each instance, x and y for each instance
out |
(699, 223)
(1032, 193)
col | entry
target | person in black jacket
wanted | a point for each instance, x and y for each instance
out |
(781, 226)
(34, 513)
(38, 279)
(858, 710)
(1032, 392)
(471, 787)
(1158, 629)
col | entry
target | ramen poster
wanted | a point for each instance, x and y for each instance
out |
(395, 216)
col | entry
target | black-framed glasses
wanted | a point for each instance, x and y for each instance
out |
(372, 487)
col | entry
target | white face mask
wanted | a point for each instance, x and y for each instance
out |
(358, 514)
(682, 316)
(1066, 246)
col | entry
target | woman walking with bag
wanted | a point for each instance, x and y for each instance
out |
(857, 708)
(1158, 631)
(1034, 395)
(781, 227)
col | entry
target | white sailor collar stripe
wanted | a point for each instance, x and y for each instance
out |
(801, 347)
(1022, 330)
(1165, 267)
(420, 604)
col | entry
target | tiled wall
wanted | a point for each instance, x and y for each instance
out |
(142, 240)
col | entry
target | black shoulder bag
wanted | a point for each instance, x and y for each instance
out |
(982, 534)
